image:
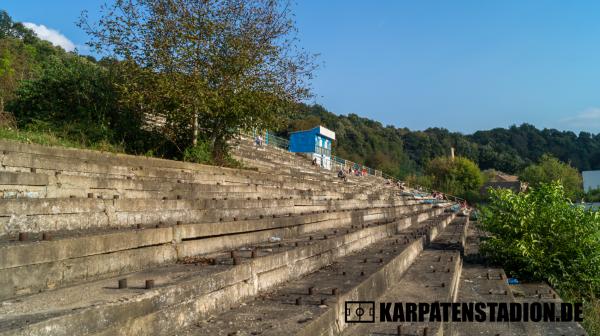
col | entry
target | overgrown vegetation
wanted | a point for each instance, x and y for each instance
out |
(542, 235)
(176, 74)
(207, 68)
(592, 195)
(550, 169)
(459, 176)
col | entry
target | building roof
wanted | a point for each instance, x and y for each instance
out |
(498, 176)
(320, 130)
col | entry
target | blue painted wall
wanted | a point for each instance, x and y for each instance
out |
(307, 141)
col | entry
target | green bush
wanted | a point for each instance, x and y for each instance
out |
(201, 153)
(592, 195)
(550, 169)
(541, 235)
(459, 176)
(76, 99)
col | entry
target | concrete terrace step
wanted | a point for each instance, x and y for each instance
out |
(432, 277)
(42, 215)
(65, 166)
(27, 267)
(542, 292)
(292, 310)
(271, 157)
(479, 283)
(56, 159)
(185, 293)
(52, 165)
(31, 185)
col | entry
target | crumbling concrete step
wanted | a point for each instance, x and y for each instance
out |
(99, 308)
(38, 215)
(433, 277)
(453, 237)
(42, 215)
(65, 185)
(474, 235)
(34, 266)
(35, 185)
(543, 293)
(135, 163)
(53, 160)
(485, 284)
(295, 309)
(51, 165)
(283, 165)
(27, 156)
(196, 229)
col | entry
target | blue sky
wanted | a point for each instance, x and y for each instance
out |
(462, 65)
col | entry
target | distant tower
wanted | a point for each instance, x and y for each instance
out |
(451, 153)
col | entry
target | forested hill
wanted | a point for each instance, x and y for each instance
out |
(401, 151)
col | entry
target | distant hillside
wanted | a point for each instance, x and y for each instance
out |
(400, 151)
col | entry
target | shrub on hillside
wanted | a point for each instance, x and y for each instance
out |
(550, 169)
(541, 235)
(459, 176)
(201, 153)
(76, 99)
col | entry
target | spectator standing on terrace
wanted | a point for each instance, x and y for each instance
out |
(342, 175)
(258, 140)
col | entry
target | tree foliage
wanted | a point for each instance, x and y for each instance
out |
(76, 98)
(22, 56)
(459, 176)
(541, 235)
(210, 68)
(550, 169)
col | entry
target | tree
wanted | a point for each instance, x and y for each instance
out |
(550, 169)
(459, 176)
(211, 68)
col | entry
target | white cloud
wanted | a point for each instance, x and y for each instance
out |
(588, 119)
(51, 35)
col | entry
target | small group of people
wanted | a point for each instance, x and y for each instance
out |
(438, 195)
(357, 172)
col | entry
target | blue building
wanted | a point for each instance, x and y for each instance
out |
(316, 142)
